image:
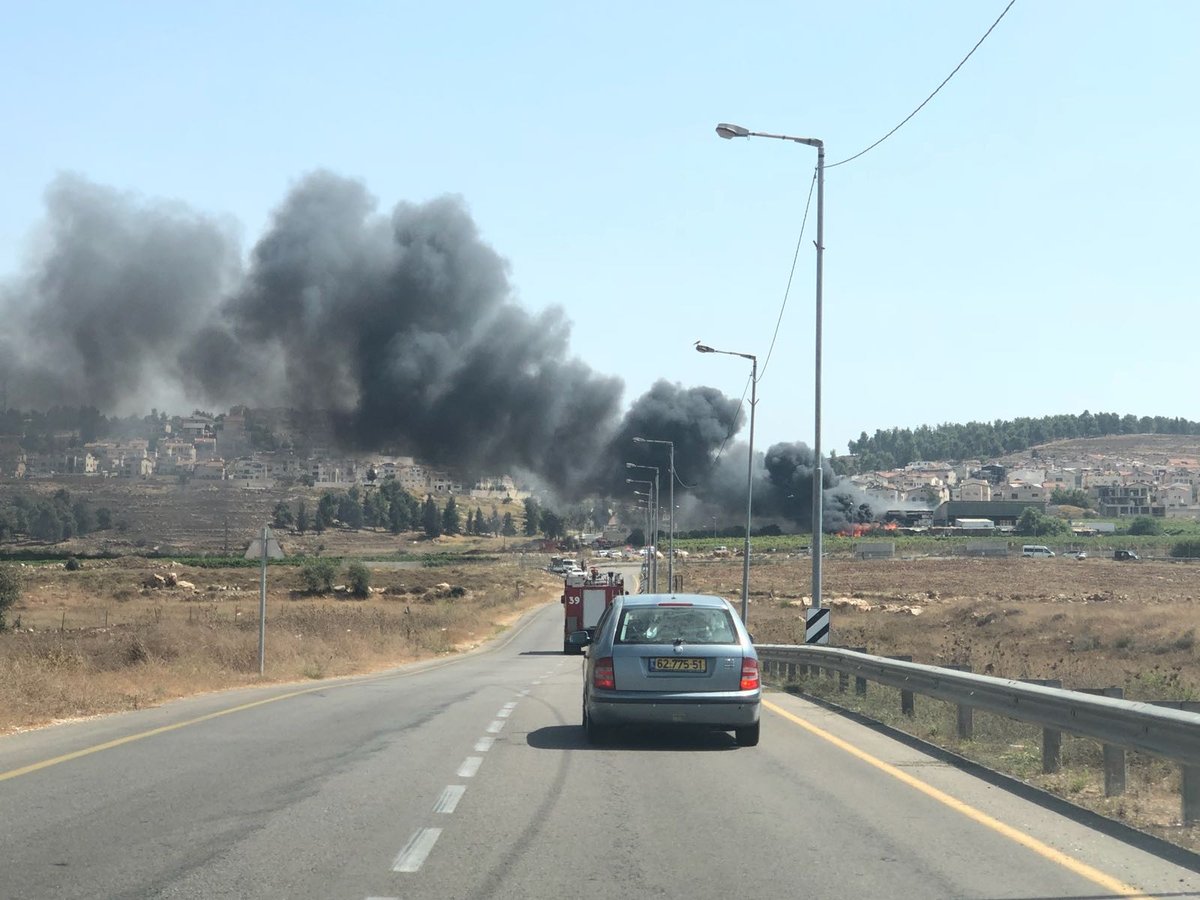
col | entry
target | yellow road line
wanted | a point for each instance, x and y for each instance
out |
(142, 735)
(1045, 851)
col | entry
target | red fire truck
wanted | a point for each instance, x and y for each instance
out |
(585, 598)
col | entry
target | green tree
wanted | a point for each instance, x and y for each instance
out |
(317, 575)
(358, 577)
(431, 520)
(302, 517)
(1186, 549)
(1070, 497)
(1145, 525)
(493, 523)
(451, 521)
(282, 516)
(533, 517)
(399, 516)
(481, 524)
(552, 524)
(10, 592)
(47, 524)
(1036, 524)
(350, 509)
(508, 528)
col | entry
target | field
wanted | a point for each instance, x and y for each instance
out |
(99, 640)
(1092, 624)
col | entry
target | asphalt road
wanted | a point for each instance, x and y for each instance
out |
(469, 778)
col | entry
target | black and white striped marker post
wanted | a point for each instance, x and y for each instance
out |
(816, 626)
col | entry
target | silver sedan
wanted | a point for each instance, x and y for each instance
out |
(671, 660)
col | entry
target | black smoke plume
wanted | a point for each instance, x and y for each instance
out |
(402, 327)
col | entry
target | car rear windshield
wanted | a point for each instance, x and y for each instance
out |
(668, 624)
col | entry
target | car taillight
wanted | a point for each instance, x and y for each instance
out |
(749, 674)
(602, 675)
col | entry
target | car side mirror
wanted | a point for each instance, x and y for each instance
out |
(579, 639)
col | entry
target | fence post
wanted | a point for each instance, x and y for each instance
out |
(906, 696)
(966, 714)
(1051, 737)
(1114, 757)
(791, 671)
(860, 683)
(1191, 795)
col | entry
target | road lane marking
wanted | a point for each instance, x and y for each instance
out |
(525, 693)
(1106, 881)
(496, 726)
(470, 766)
(450, 797)
(484, 744)
(503, 713)
(415, 851)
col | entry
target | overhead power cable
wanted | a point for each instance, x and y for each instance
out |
(930, 97)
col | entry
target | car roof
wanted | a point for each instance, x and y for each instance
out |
(696, 600)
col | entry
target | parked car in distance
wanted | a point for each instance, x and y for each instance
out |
(1036, 550)
(1075, 554)
(670, 660)
(1125, 555)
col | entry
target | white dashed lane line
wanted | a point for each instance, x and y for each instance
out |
(449, 799)
(415, 851)
(421, 843)
(470, 766)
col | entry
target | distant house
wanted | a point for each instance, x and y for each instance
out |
(1134, 499)
(975, 490)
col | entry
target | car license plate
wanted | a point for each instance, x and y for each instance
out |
(678, 664)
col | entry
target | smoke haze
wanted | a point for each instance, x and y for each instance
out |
(403, 326)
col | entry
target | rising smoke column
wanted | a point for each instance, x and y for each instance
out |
(403, 327)
(697, 420)
(117, 285)
(787, 491)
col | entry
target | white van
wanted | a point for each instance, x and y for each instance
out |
(1036, 550)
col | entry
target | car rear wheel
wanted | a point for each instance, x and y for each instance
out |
(596, 734)
(748, 736)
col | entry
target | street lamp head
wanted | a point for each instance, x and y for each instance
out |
(639, 440)
(728, 131)
(704, 348)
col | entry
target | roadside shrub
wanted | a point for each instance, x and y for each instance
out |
(359, 578)
(1145, 525)
(1187, 549)
(10, 591)
(317, 575)
(72, 564)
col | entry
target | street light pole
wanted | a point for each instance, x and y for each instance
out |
(704, 348)
(652, 501)
(655, 501)
(728, 131)
(671, 525)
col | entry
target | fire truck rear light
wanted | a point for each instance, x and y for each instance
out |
(602, 675)
(749, 674)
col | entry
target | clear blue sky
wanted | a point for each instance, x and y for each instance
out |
(1024, 246)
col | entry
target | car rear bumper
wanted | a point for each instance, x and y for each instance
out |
(734, 709)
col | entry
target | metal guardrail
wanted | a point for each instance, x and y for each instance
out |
(1168, 733)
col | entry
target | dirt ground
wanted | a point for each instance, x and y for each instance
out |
(1092, 624)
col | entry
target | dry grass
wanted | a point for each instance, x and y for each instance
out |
(1090, 624)
(96, 641)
